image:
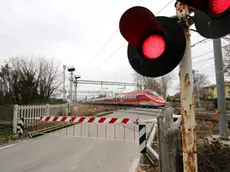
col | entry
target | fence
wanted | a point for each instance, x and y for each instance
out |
(30, 113)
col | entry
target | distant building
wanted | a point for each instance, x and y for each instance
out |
(212, 93)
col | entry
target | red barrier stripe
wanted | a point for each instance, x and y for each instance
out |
(63, 118)
(81, 119)
(91, 119)
(101, 120)
(55, 118)
(125, 120)
(73, 118)
(113, 120)
(41, 118)
(47, 118)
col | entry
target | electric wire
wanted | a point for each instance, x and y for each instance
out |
(100, 50)
(124, 42)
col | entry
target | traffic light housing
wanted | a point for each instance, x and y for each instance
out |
(156, 45)
(211, 18)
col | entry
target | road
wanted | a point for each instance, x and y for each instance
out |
(80, 148)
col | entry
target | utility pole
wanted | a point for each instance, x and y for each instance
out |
(194, 91)
(71, 85)
(186, 96)
(198, 94)
(71, 69)
(64, 91)
(75, 84)
(75, 93)
(223, 121)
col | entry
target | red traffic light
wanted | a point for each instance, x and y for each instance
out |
(219, 6)
(211, 17)
(138, 23)
(149, 44)
(214, 8)
(156, 44)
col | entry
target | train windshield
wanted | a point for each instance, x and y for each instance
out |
(153, 93)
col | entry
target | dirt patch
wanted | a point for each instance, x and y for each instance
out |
(148, 168)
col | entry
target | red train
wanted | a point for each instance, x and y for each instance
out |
(147, 98)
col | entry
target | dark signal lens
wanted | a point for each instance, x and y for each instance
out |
(219, 6)
(153, 46)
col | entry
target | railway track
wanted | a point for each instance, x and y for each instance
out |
(125, 106)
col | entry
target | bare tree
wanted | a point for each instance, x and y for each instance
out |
(49, 74)
(200, 80)
(164, 82)
(147, 82)
(226, 56)
(28, 80)
(138, 79)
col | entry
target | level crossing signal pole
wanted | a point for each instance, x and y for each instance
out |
(186, 94)
(157, 44)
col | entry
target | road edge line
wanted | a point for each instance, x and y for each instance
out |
(7, 146)
(134, 165)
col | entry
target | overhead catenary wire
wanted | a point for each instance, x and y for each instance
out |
(199, 42)
(124, 43)
(103, 46)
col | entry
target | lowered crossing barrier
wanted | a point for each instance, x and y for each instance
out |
(83, 119)
(116, 128)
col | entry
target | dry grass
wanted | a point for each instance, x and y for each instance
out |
(211, 157)
(90, 110)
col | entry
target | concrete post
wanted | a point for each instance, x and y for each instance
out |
(168, 143)
(15, 117)
(47, 109)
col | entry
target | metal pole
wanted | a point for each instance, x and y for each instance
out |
(186, 97)
(64, 91)
(71, 85)
(223, 121)
(198, 95)
(194, 91)
(75, 93)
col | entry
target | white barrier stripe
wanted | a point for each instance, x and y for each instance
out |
(142, 146)
(59, 119)
(52, 118)
(68, 118)
(96, 120)
(86, 119)
(118, 120)
(142, 132)
(107, 120)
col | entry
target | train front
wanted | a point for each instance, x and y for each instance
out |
(155, 99)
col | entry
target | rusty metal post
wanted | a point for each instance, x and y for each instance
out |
(186, 96)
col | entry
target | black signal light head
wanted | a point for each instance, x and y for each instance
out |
(156, 44)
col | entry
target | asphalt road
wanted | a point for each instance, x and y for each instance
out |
(80, 148)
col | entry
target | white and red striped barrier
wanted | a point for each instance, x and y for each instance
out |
(82, 119)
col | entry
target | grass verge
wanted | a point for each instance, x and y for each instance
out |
(6, 133)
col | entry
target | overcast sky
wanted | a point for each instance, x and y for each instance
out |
(73, 32)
